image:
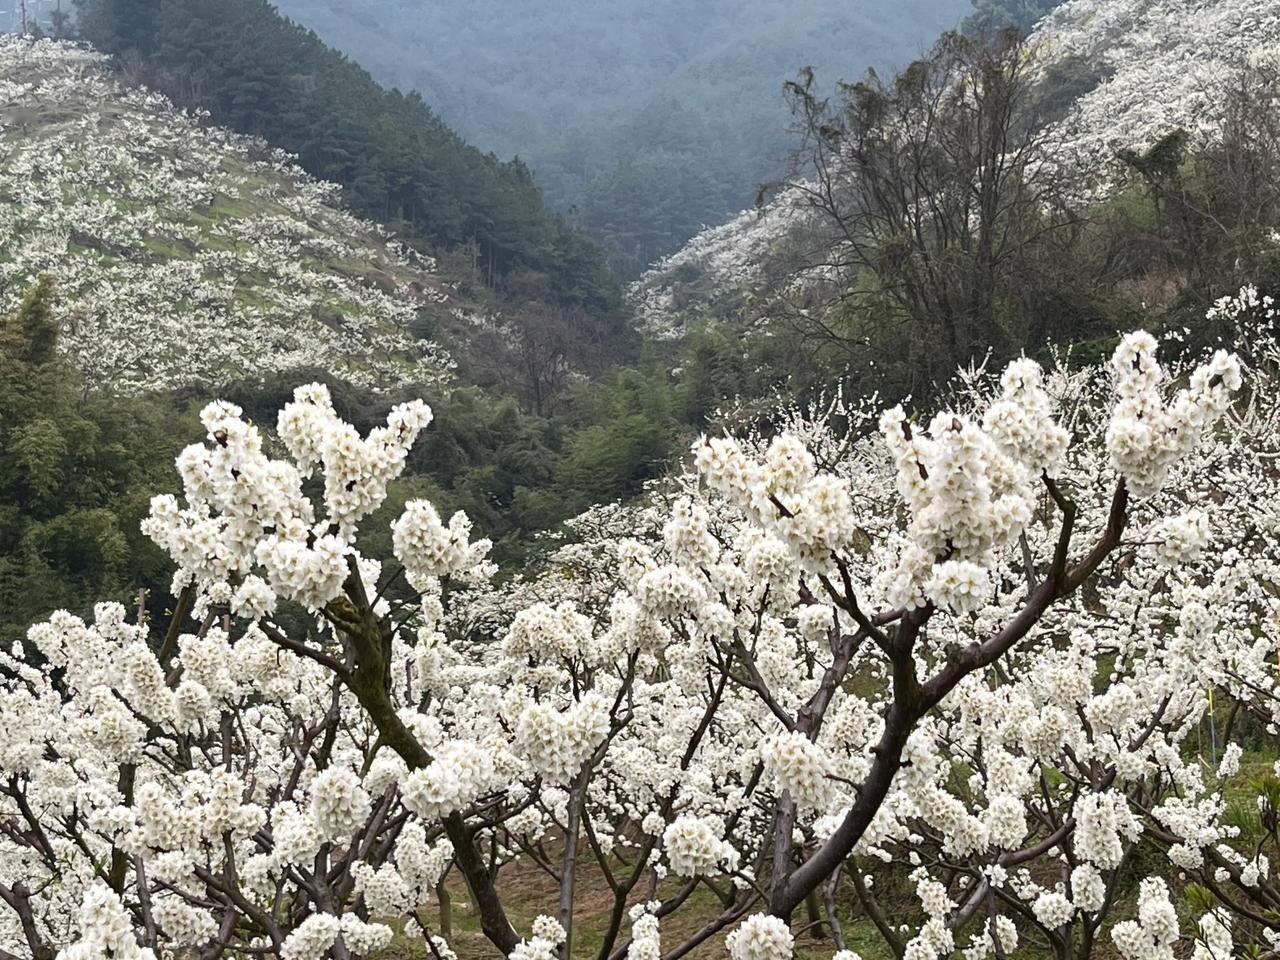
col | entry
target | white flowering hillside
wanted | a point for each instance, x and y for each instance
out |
(185, 254)
(1135, 70)
(716, 273)
(1166, 64)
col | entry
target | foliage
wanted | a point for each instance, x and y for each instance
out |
(932, 215)
(77, 473)
(640, 208)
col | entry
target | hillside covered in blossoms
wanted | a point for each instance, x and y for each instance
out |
(1111, 77)
(185, 254)
(891, 573)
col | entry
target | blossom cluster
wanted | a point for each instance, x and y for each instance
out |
(1146, 437)
(970, 487)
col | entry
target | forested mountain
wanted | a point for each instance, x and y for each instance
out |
(646, 121)
(396, 160)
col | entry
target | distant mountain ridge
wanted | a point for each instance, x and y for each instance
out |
(646, 120)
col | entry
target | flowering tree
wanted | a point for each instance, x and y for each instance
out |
(973, 647)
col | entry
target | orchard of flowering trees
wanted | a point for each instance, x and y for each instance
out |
(974, 647)
(992, 674)
(1162, 66)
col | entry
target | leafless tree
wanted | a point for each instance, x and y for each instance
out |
(928, 199)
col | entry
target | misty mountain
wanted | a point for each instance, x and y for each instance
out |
(644, 121)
